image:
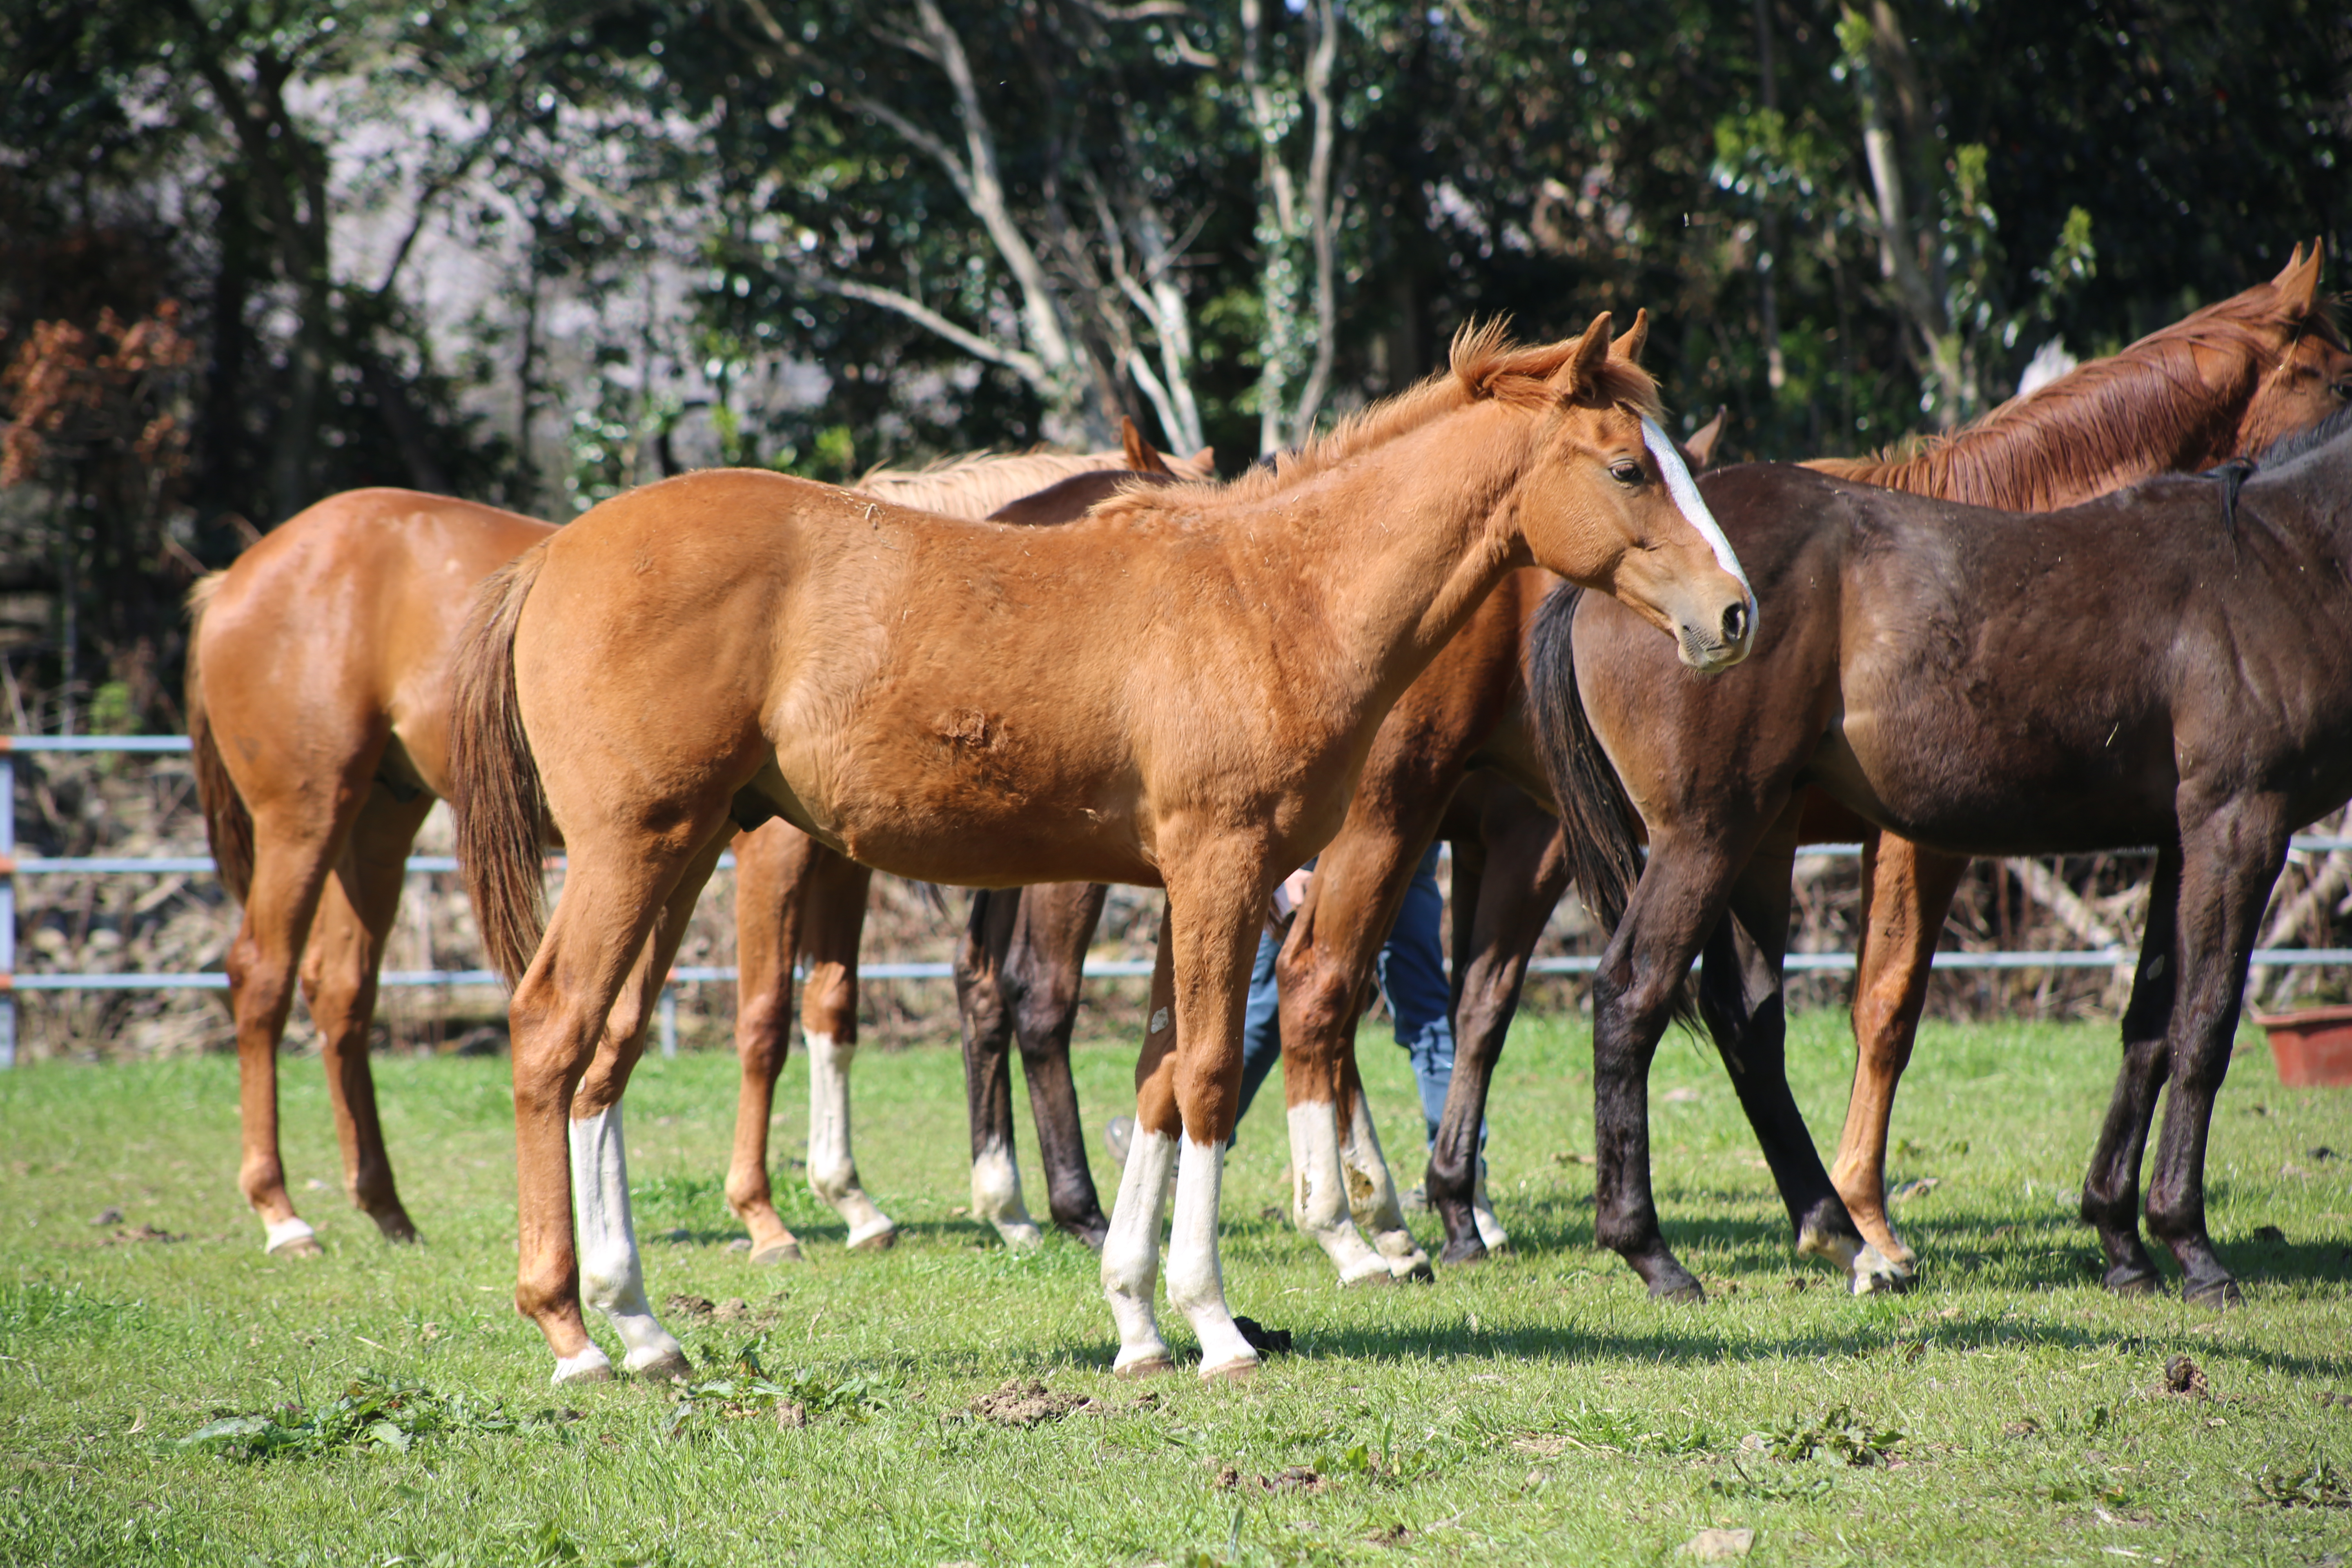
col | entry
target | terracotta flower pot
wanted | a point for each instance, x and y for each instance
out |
(2313, 1047)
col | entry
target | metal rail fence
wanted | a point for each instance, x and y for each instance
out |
(12, 865)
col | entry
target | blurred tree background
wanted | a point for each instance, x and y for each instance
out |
(253, 252)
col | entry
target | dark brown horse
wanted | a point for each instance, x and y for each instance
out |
(2226, 380)
(2153, 667)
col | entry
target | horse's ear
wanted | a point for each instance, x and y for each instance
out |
(1629, 347)
(1142, 454)
(1701, 443)
(1582, 369)
(1203, 462)
(2298, 281)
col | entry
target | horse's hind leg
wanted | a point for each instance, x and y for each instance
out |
(579, 1023)
(1046, 966)
(2110, 1188)
(292, 845)
(1741, 996)
(2232, 863)
(356, 908)
(1906, 892)
(834, 925)
(984, 1005)
(772, 868)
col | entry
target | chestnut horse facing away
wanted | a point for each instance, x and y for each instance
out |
(2143, 669)
(317, 699)
(1178, 689)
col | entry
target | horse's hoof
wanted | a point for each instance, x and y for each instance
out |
(1367, 1278)
(1875, 1274)
(2223, 1292)
(1415, 1272)
(663, 1366)
(2130, 1281)
(1149, 1366)
(300, 1247)
(1090, 1232)
(1238, 1370)
(589, 1366)
(1466, 1250)
(882, 1240)
(1685, 1290)
(786, 1251)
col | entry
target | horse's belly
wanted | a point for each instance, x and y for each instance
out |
(1970, 789)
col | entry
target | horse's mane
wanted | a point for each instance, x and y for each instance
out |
(977, 483)
(2081, 433)
(1484, 364)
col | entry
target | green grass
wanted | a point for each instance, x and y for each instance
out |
(1536, 1409)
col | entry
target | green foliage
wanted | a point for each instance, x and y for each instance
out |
(2317, 1484)
(1838, 1434)
(373, 1410)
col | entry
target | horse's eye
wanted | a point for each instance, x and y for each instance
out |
(2343, 391)
(1627, 472)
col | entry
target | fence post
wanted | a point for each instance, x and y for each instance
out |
(7, 905)
(669, 1019)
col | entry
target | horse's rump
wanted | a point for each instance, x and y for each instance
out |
(228, 825)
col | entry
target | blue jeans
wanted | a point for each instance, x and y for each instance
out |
(1411, 972)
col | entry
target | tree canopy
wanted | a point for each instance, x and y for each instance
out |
(534, 251)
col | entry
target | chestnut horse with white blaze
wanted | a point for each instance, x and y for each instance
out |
(319, 698)
(1178, 689)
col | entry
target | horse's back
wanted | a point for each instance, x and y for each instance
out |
(342, 624)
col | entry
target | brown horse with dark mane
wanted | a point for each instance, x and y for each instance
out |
(1179, 689)
(2156, 668)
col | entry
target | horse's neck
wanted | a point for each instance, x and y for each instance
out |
(1394, 551)
(2067, 445)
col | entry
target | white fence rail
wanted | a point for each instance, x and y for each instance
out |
(12, 865)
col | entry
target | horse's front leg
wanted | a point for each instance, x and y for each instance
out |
(1215, 912)
(1130, 1252)
(985, 1008)
(1048, 964)
(831, 926)
(1676, 905)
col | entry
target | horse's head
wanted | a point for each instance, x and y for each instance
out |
(2312, 376)
(1608, 502)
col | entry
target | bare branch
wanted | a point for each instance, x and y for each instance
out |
(1024, 364)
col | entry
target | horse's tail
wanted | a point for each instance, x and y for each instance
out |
(228, 825)
(1597, 816)
(495, 790)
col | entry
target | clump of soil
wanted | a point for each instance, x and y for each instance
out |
(1027, 1403)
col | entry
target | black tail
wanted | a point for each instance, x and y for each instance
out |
(1597, 816)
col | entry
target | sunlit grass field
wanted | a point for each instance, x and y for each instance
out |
(1536, 1409)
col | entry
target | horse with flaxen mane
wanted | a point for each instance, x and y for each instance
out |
(318, 697)
(1179, 689)
(2131, 671)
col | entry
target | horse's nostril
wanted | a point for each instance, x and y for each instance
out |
(1735, 625)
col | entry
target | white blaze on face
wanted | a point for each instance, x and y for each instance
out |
(1684, 490)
